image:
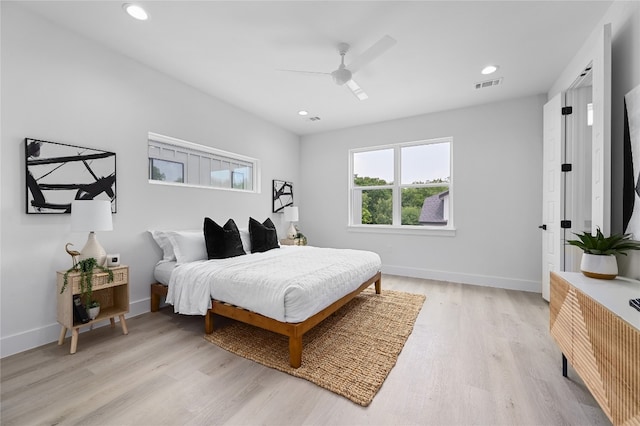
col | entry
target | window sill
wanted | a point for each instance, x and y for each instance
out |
(188, 185)
(404, 230)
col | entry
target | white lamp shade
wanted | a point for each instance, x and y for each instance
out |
(291, 214)
(91, 215)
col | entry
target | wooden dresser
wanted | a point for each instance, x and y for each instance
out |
(599, 334)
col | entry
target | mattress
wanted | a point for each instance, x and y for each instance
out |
(162, 271)
(288, 284)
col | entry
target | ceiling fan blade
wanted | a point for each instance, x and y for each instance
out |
(305, 72)
(369, 55)
(356, 90)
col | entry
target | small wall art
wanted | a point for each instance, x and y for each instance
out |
(57, 174)
(282, 195)
(631, 183)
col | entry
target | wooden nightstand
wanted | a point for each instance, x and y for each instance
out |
(113, 297)
(293, 242)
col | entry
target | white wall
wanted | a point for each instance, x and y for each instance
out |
(624, 17)
(59, 87)
(497, 177)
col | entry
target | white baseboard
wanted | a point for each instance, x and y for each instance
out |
(482, 280)
(29, 339)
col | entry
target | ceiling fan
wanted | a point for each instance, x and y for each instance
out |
(344, 74)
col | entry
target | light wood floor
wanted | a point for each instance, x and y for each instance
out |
(476, 356)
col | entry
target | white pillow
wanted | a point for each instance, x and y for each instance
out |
(246, 240)
(188, 246)
(162, 239)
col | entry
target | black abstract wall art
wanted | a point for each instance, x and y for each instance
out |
(282, 195)
(57, 174)
(631, 182)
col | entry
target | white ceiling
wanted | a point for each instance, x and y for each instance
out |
(234, 50)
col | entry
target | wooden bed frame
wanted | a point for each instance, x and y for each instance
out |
(294, 331)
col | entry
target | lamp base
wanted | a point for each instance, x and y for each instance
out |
(292, 232)
(93, 249)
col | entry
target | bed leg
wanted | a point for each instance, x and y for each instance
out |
(378, 285)
(295, 351)
(156, 290)
(208, 322)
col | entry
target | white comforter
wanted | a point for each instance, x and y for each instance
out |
(288, 284)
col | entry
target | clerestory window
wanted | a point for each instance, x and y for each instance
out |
(176, 162)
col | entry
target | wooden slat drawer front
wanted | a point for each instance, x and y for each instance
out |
(610, 365)
(101, 279)
(561, 308)
(602, 348)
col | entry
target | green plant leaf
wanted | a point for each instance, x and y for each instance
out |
(601, 245)
(86, 269)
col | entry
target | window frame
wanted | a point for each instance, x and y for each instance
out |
(397, 186)
(206, 152)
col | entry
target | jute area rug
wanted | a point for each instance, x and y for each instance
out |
(350, 353)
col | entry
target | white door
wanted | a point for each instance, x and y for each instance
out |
(553, 132)
(601, 142)
(552, 195)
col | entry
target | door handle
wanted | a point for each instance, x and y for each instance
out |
(543, 227)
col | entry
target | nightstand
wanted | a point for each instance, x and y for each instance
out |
(293, 242)
(113, 297)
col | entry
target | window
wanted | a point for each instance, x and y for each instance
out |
(402, 185)
(166, 171)
(177, 162)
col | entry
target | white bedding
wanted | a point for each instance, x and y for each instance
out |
(162, 271)
(288, 284)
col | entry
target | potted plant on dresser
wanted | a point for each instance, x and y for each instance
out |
(86, 269)
(598, 257)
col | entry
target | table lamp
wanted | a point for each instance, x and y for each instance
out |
(291, 215)
(92, 215)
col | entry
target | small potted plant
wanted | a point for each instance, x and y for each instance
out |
(85, 268)
(598, 257)
(93, 309)
(300, 239)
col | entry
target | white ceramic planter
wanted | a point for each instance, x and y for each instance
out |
(597, 266)
(93, 312)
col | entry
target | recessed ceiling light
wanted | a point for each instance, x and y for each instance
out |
(489, 69)
(303, 112)
(135, 11)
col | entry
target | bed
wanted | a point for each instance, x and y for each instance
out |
(288, 290)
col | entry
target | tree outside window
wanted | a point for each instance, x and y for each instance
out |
(405, 184)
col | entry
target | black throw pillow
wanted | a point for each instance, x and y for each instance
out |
(222, 242)
(263, 235)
